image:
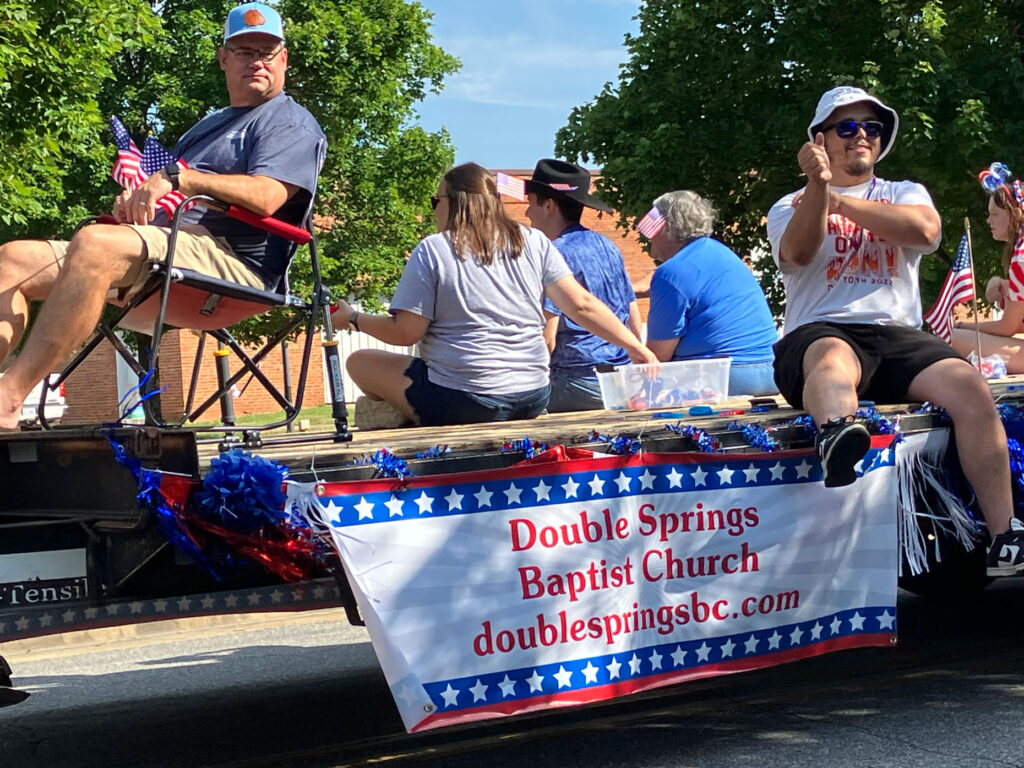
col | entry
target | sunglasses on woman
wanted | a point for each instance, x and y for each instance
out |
(434, 202)
(847, 129)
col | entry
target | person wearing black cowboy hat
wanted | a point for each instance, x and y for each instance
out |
(557, 194)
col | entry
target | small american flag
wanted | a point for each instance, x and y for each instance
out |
(958, 288)
(154, 157)
(129, 158)
(651, 224)
(132, 167)
(563, 187)
(512, 186)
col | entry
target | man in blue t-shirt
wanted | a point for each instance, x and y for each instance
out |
(705, 302)
(557, 194)
(261, 153)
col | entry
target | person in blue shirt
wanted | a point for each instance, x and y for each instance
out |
(705, 302)
(557, 194)
(261, 152)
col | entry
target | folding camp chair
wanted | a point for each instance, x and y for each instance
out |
(183, 298)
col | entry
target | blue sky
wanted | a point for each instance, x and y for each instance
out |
(525, 65)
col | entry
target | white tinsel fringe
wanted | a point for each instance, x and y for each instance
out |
(302, 500)
(922, 494)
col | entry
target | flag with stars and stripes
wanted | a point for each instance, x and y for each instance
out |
(126, 170)
(511, 186)
(958, 288)
(132, 166)
(559, 582)
(154, 157)
(651, 224)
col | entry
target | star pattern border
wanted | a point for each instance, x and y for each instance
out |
(65, 617)
(637, 664)
(516, 492)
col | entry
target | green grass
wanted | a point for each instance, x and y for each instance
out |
(320, 419)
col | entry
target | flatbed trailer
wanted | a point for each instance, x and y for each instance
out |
(78, 550)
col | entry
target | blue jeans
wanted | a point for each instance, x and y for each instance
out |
(437, 406)
(757, 379)
(574, 393)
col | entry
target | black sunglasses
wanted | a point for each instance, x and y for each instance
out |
(847, 129)
(434, 202)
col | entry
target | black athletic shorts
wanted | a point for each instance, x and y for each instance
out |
(890, 357)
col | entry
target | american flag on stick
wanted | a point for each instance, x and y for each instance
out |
(512, 186)
(154, 157)
(651, 224)
(129, 157)
(132, 167)
(958, 288)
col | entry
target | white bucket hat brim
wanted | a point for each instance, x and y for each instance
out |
(845, 95)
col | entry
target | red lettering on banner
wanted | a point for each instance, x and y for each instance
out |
(660, 564)
(525, 534)
(596, 577)
(735, 521)
(664, 619)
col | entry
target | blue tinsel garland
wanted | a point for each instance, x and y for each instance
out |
(167, 515)
(706, 443)
(621, 445)
(529, 447)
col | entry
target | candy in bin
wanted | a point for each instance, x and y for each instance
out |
(670, 385)
(991, 367)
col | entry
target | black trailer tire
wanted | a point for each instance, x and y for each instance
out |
(9, 695)
(959, 574)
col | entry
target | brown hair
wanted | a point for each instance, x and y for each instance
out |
(1004, 199)
(478, 224)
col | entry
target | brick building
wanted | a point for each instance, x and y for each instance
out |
(92, 392)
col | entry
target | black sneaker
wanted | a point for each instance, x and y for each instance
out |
(1006, 552)
(841, 443)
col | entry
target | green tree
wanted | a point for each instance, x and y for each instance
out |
(359, 65)
(55, 58)
(716, 96)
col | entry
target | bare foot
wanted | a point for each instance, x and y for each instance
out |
(10, 409)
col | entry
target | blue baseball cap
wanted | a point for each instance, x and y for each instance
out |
(253, 17)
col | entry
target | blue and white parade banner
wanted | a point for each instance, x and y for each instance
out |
(564, 582)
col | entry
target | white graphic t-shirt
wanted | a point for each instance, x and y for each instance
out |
(855, 277)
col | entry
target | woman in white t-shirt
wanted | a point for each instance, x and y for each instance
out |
(1006, 220)
(471, 296)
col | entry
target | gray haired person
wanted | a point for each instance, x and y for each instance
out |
(705, 302)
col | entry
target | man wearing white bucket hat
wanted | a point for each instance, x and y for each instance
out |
(262, 153)
(849, 246)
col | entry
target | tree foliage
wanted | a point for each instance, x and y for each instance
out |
(716, 96)
(55, 59)
(359, 66)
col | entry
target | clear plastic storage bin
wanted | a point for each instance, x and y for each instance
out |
(684, 382)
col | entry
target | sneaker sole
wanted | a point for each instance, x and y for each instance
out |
(839, 466)
(1004, 570)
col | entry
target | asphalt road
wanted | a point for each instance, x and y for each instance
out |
(305, 690)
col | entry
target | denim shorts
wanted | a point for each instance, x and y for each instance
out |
(754, 379)
(574, 393)
(438, 406)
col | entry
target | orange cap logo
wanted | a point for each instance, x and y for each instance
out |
(253, 18)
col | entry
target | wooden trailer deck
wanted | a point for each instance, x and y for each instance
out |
(308, 454)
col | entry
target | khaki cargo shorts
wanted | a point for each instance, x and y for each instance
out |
(196, 249)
